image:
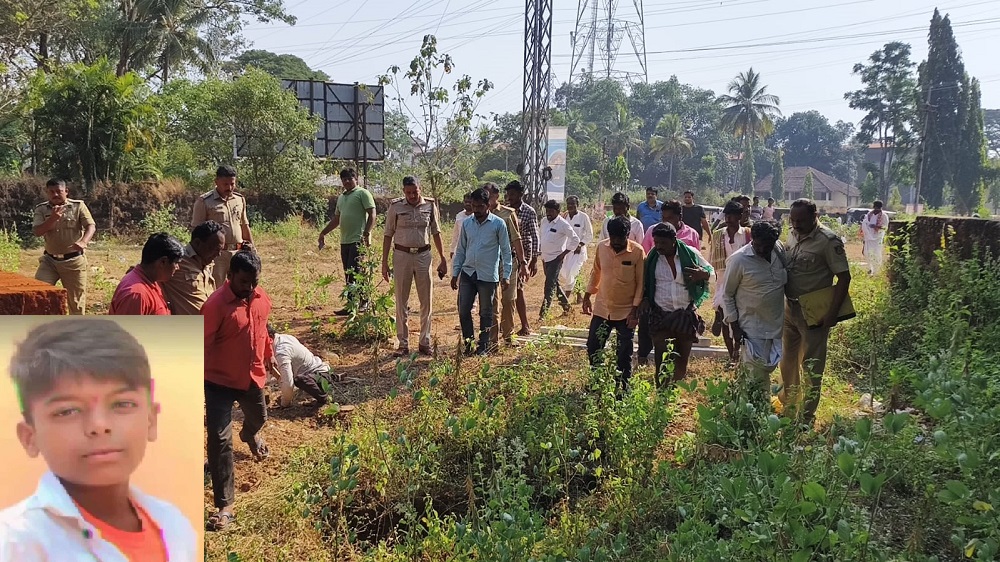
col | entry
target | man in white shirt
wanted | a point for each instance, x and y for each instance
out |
(873, 228)
(299, 367)
(675, 283)
(459, 219)
(556, 239)
(619, 206)
(574, 261)
(754, 303)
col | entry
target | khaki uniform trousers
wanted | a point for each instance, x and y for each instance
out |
(220, 269)
(407, 268)
(72, 273)
(503, 322)
(803, 350)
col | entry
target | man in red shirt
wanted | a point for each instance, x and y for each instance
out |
(139, 292)
(238, 353)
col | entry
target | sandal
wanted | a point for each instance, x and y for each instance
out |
(259, 449)
(220, 521)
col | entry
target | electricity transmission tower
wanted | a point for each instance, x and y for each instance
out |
(602, 26)
(537, 94)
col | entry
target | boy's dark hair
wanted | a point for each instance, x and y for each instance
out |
(69, 348)
(688, 191)
(348, 173)
(409, 180)
(493, 188)
(619, 198)
(765, 231)
(271, 331)
(514, 186)
(225, 171)
(652, 190)
(55, 182)
(245, 260)
(878, 204)
(162, 245)
(551, 204)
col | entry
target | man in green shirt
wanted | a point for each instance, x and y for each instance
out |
(355, 215)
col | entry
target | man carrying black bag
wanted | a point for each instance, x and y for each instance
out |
(676, 283)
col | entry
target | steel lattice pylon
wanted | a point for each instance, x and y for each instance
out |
(537, 94)
(601, 28)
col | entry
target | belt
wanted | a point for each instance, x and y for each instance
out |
(412, 250)
(64, 257)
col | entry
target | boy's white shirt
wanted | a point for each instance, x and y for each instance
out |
(48, 527)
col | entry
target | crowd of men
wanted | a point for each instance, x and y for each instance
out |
(649, 277)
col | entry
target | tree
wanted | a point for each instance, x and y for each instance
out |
(749, 113)
(270, 127)
(670, 141)
(284, 66)
(778, 175)
(445, 153)
(620, 132)
(499, 177)
(889, 102)
(809, 139)
(869, 189)
(967, 186)
(807, 186)
(616, 174)
(96, 126)
(940, 80)
(991, 124)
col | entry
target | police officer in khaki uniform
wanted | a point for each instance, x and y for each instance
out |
(228, 208)
(67, 226)
(815, 256)
(410, 223)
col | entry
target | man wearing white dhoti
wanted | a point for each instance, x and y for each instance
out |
(576, 259)
(754, 304)
(873, 228)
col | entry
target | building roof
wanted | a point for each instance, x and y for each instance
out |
(795, 179)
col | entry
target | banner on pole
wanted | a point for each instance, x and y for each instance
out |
(555, 186)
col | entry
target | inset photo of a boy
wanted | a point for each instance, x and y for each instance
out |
(99, 439)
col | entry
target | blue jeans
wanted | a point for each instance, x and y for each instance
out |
(470, 287)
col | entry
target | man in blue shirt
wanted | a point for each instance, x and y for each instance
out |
(483, 248)
(648, 212)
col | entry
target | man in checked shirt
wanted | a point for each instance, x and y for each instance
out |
(528, 223)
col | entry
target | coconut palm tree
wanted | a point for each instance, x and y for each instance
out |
(621, 132)
(749, 113)
(671, 141)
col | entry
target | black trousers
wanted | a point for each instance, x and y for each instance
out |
(219, 421)
(551, 270)
(600, 329)
(311, 385)
(645, 338)
(350, 256)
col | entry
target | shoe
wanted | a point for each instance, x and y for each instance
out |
(426, 350)
(717, 325)
(320, 402)
(401, 352)
(566, 308)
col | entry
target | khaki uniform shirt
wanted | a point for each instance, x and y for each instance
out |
(412, 225)
(191, 284)
(231, 213)
(70, 228)
(509, 216)
(813, 260)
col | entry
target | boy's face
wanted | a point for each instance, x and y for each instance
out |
(90, 432)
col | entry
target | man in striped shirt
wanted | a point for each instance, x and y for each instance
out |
(528, 221)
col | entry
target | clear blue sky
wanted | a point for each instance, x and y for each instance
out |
(355, 40)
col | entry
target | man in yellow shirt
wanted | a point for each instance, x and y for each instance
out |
(617, 282)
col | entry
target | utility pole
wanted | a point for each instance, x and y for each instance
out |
(537, 96)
